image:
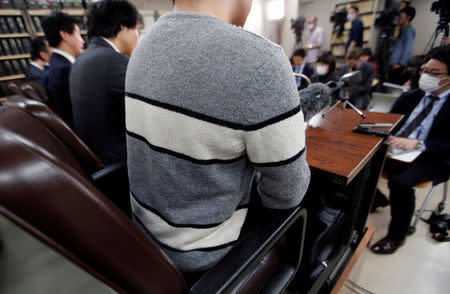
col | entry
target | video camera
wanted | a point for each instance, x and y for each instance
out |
(298, 25)
(442, 7)
(387, 20)
(339, 18)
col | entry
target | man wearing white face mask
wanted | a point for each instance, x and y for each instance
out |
(314, 40)
(426, 128)
(355, 37)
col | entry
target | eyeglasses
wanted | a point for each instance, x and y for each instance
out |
(432, 73)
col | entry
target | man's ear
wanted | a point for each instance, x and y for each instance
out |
(64, 35)
(41, 55)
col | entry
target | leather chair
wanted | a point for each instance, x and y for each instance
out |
(41, 112)
(46, 195)
(34, 91)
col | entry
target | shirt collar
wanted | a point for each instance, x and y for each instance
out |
(64, 54)
(111, 44)
(36, 65)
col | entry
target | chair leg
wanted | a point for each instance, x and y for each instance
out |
(442, 203)
(412, 228)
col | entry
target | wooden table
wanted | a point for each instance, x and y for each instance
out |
(333, 151)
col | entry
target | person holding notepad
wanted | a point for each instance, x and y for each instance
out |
(426, 129)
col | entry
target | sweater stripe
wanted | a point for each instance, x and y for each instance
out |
(177, 133)
(188, 238)
(214, 120)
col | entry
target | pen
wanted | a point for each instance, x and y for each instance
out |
(368, 125)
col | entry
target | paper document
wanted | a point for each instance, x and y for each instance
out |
(408, 155)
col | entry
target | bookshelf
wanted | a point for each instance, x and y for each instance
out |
(20, 22)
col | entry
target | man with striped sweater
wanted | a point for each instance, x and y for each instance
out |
(208, 107)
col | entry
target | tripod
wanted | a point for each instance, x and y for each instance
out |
(442, 27)
(343, 97)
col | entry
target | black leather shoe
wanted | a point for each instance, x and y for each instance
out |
(386, 246)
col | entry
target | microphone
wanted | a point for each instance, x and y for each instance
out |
(313, 99)
(347, 80)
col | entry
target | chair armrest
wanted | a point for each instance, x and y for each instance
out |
(252, 247)
(108, 170)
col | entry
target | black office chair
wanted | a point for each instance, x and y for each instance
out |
(47, 196)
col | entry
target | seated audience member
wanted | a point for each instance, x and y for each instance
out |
(359, 94)
(97, 79)
(200, 127)
(63, 34)
(325, 68)
(366, 56)
(40, 56)
(301, 67)
(426, 128)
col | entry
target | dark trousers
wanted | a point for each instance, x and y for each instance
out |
(401, 181)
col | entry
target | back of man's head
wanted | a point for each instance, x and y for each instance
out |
(106, 18)
(409, 11)
(442, 54)
(38, 45)
(55, 23)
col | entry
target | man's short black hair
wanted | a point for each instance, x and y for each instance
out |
(38, 45)
(366, 52)
(106, 17)
(442, 54)
(355, 8)
(299, 52)
(327, 57)
(56, 22)
(409, 11)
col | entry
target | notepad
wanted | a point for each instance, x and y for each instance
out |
(408, 155)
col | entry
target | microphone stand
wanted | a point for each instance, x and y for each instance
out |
(344, 99)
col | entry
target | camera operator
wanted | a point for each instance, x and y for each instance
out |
(359, 93)
(314, 40)
(403, 46)
(355, 37)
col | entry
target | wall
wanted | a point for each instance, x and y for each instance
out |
(424, 23)
(153, 4)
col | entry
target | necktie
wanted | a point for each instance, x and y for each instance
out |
(419, 118)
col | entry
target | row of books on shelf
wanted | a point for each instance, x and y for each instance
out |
(11, 25)
(13, 67)
(14, 46)
(36, 4)
(37, 20)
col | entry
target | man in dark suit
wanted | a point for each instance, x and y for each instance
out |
(63, 34)
(426, 128)
(97, 80)
(359, 94)
(300, 66)
(40, 56)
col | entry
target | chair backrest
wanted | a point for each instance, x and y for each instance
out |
(34, 91)
(88, 160)
(58, 201)
(14, 88)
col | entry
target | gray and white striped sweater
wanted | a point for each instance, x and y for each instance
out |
(208, 105)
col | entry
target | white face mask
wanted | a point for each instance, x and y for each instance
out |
(351, 17)
(428, 83)
(310, 26)
(321, 70)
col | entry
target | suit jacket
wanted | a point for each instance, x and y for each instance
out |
(438, 140)
(57, 86)
(359, 94)
(97, 88)
(34, 74)
(309, 72)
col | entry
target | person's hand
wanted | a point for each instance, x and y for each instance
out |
(445, 41)
(395, 66)
(403, 143)
(306, 47)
